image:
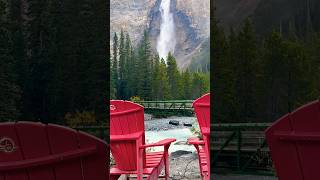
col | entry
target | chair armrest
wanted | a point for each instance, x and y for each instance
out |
(159, 143)
(195, 141)
(127, 137)
(205, 131)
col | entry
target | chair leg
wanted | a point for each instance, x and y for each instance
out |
(167, 163)
(206, 177)
(199, 159)
(166, 166)
(207, 149)
(139, 177)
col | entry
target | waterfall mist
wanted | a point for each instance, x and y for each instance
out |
(166, 40)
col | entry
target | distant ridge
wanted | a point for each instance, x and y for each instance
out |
(269, 14)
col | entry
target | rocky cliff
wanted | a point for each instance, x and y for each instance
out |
(191, 17)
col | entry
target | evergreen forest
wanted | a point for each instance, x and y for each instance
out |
(53, 60)
(261, 77)
(137, 73)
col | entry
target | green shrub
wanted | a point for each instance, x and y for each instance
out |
(196, 130)
(85, 118)
(135, 99)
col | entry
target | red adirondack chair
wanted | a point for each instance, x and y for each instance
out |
(34, 151)
(294, 142)
(202, 109)
(127, 144)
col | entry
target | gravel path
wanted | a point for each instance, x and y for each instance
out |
(184, 166)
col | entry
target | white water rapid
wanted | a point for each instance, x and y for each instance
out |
(166, 40)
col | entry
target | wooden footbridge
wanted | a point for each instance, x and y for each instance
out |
(168, 105)
(241, 148)
(171, 107)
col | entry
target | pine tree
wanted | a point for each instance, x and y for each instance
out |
(133, 70)
(55, 59)
(144, 83)
(112, 91)
(298, 86)
(271, 80)
(156, 78)
(10, 91)
(114, 67)
(16, 29)
(127, 67)
(92, 51)
(246, 73)
(187, 84)
(313, 53)
(122, 64)
(200, 84)
(40, 67)
(164, 92)
(223, 63)
(175, 86)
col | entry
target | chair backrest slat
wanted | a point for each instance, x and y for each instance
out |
(294, 142)
(125, 118)
(202, 109)
(37, 151)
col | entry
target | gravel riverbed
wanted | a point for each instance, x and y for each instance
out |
(183, 163)
(162, 124)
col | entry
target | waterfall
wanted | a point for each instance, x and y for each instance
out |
(166, 40)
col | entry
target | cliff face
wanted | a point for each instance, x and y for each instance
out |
(191, 17)
(130, 15)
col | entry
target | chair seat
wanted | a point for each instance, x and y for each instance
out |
(154, 159)
(128, 144)
(154, 163)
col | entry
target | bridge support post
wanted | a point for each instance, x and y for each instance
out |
(239, 134)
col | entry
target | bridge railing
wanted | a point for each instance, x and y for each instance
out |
(166, 105)
(241, 147)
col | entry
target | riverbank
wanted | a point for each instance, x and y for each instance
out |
(162, 124)
(183, 158)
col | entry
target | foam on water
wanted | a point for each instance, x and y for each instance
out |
(181, 135)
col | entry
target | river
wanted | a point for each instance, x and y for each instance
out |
(159, 129)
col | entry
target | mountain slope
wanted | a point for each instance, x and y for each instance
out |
(192, 23)
(233, 12)
(269, 14)
(303, 15)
